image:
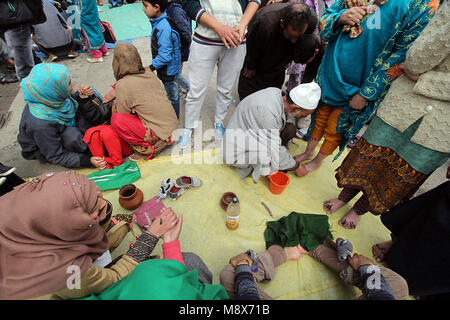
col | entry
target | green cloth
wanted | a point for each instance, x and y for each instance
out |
(422, 159)
(308, 230)
(158, 279)
(108, 179)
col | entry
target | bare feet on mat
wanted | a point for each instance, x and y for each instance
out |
(306, 168)
(350, 220)
(294, 253)
(331, 206)
(303, 156)
(380, 250)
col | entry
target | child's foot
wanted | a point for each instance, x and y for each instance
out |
(380, 250)
(294, 253)
(350, 220)
(306, 168)
(331, 206)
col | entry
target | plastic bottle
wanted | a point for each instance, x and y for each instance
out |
(233, 213)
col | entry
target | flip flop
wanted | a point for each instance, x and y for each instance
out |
(6, 78)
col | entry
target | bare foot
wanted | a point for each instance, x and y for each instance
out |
(303, 156)
(380, 250)
(294, 253)
(350, 220)
(331, 206)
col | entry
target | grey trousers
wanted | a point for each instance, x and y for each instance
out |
(327, 254)
(19, 45)
(193, 261)
(202, 61)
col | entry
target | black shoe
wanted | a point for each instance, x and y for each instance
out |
(5, 170)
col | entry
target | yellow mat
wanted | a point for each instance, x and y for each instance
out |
(204, 230)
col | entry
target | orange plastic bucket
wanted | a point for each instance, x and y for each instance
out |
(278, 182)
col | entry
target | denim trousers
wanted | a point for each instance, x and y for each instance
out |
(19, 45)
(173, 95)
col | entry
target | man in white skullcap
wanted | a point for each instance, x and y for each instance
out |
(252, 142)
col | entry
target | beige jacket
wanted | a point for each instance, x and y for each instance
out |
(429, 97)
(97, 279)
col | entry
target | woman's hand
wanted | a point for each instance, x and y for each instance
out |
(174, 233)
(163, 223)
(99, 162)
(358, 102)
(352, 16)
(412, 76)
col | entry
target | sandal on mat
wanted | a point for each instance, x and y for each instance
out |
(188, 182)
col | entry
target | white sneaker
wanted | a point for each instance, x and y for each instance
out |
(220, 130)
(185, 138)
(95, 60)
(107, 54)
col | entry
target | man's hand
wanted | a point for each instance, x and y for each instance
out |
(358, 261)
(228, 35)
(99, 162)
(358, 102)
(273, 1)
(240, 29)
(312, 58)
(248, 73)
(352, 16)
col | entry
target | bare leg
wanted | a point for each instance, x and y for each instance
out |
(350, 220)
(380, 250)
(331, 206)
(304, 169)
(309, 152)
(71, 53)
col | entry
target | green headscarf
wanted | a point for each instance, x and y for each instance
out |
(158, 279)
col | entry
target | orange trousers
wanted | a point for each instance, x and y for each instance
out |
(325, 125)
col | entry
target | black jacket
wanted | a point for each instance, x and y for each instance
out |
(55, 143)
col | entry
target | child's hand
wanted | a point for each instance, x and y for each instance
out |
(99, 162)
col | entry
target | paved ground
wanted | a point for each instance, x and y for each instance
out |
(101, 77)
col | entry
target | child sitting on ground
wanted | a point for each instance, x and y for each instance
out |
(165, 46)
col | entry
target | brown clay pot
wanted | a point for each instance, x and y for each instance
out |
(227, 198)
(130, 197)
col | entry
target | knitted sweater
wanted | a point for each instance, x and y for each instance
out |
(226, 12)
(429, 97)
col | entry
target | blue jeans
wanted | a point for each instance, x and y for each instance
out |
(19, 45)
(173, 95)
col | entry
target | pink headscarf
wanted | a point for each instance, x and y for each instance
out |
(45, 227)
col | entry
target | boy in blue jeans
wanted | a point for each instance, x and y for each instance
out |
(165, 45)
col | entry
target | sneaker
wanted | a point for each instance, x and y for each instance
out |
(95, 60)
(185, 138)
(72, 54)
(5, 170)
(106, 54)
(220, 130)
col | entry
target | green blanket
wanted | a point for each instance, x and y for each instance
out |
(308, 230)
(161, 280)
(108, 179)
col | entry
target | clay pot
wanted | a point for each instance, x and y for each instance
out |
(227, 198)
(130, 197)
